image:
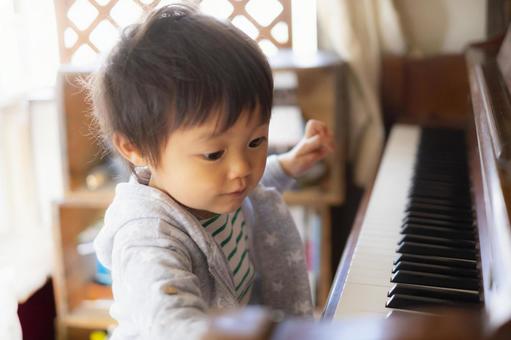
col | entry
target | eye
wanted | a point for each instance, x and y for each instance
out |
(256, 142)
(213, 156)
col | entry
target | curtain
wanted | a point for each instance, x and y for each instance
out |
(28, 61)
(24, 244)
(360, 31)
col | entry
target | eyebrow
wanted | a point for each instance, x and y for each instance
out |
(205, 136)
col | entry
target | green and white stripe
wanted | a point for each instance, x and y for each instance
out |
(228, 232)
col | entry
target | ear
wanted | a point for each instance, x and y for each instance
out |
(127, 150)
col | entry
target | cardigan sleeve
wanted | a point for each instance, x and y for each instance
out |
(157, 295)
(274, 176)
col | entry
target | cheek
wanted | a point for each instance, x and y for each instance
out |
(259, 165)
(205, 178)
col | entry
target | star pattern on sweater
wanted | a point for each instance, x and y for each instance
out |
(294, 257)
(302, 307)
(271, 239)
(277, 286)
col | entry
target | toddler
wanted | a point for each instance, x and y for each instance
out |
(185, 99)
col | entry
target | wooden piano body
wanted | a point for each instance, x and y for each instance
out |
(374, 235)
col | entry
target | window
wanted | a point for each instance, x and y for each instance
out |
(88, 28)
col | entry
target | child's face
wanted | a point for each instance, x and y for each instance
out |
(213, 174)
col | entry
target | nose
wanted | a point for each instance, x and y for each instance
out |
(239, 167)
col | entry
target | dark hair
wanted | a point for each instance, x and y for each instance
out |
(173, 70)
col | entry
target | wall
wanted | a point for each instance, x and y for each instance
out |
(441, 26)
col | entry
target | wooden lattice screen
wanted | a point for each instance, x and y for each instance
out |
(87, 28)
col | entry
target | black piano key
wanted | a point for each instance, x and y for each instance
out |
(441, 178)
(436, 250)
(456, 234)
(409, 302)
(442, 181)
(436, 208)
(454, 243)
(447, 187)
(466, 296)
(440, 217)
(458, 214)
(437, 163)
(440, 172)
(436, 269)
(434, 223)
(440, 191)
(436, 280)
(442, 261)
(445, 203)
(458, 202)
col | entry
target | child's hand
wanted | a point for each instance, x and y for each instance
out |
(314, 146)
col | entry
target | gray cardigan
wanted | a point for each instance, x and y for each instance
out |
(168, 272)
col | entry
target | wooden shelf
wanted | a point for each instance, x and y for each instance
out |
(98, 198)
(313, 196)
(73, 273)
(91, 315)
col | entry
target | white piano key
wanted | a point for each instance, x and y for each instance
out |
(362, 299)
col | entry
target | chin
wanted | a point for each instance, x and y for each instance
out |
(229, 208)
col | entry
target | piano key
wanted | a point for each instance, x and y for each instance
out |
(439, 217)
(467, 296)
(434, 223)
(446, 203)
(456, 200)
(442, 261)
(447, 186)
(454, 243)
(437, 280)
(439, 192)
(416, 229)
(362, 299)
(436, 208)
(438, 269)
(436, 250)
(446, 178)
(402, 301)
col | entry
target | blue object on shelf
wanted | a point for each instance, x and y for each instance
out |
(102, 274)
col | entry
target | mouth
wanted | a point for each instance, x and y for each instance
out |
(239, 192)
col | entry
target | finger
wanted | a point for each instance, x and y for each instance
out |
(311, 158)
(309, 144)
(330, 143)
(314, 127)
(327, 141)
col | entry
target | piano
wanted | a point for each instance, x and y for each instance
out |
(434, 230)
(429, 255)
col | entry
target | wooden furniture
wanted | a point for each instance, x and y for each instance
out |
(489, 164)
(320, 83)
(79, 300)
(425, 90)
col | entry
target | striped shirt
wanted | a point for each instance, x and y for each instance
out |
(228, 232)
